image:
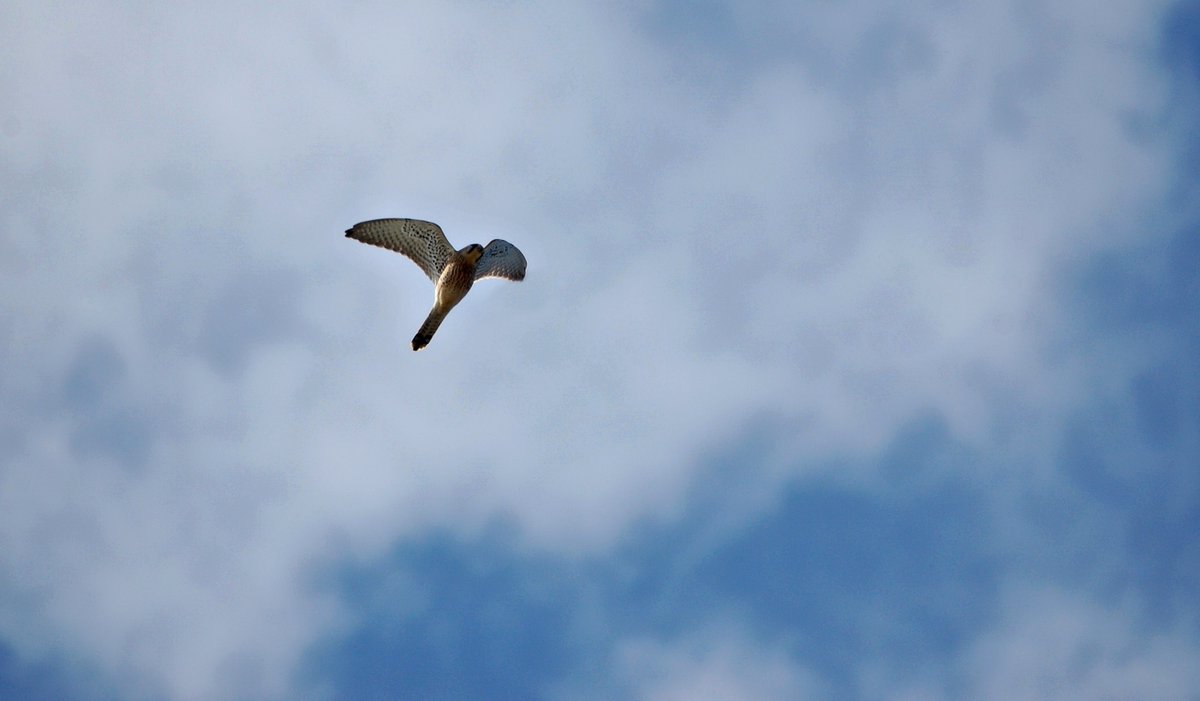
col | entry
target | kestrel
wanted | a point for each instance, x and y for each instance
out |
(453, 272)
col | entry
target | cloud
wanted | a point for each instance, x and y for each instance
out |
(1053, 645)
(858, 222)
(711, 664)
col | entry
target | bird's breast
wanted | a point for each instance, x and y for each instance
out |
(456, 279)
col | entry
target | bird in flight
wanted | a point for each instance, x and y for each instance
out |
(453, 272)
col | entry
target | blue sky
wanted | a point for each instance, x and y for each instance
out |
(857, 356)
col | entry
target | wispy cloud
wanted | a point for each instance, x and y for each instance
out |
(1053, 645)
(712, 665)
(832, 222)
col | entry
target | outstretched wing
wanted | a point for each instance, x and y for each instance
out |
(501, 259)
(421, 241)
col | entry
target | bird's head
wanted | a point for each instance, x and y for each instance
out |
(472, 252)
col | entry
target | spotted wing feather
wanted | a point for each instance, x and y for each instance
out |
(421, 241)
(501, 259)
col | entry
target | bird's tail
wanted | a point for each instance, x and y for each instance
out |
(425, 333)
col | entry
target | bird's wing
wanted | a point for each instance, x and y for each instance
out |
(501, 259)
(421, 241)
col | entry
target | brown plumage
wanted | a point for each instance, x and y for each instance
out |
(452, 285)
(453, 272)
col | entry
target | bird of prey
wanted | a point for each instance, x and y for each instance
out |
(453, 272)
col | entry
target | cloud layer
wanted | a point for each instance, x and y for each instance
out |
(776, 239)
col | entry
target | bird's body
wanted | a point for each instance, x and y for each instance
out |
(452, 285)
(453, 272)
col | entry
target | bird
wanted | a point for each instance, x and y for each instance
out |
(452, 271)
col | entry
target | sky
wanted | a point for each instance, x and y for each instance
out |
(858, 355)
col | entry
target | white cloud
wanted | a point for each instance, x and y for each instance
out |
(838, 248)
(1049, 643)
(721, 663)
(1054, 645)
